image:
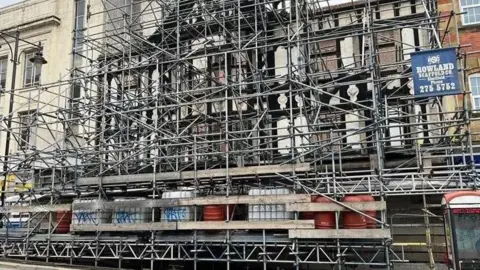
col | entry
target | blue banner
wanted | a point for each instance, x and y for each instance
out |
(435, 73)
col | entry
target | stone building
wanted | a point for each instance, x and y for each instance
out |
(48, 23)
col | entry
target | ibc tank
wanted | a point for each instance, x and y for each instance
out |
(64, 223)
(122, 215)
(179, 213)
(353, 220)
(371, 224)
(324, 220)
(268, 211)
(88, 216)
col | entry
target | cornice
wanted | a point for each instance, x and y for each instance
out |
(38, 23)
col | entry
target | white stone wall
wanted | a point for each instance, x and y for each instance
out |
(49, 22)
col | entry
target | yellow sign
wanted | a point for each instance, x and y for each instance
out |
(23, 187)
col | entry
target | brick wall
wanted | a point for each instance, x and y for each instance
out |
(468, 35)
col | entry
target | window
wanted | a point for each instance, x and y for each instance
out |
(32, 72)
(120, 16)
(75, 101)
(474, 81)
(43, 180)
(3, 73)
(467, 235)
(472, 9)
(27, 121)
(79, 36)
(79, 22)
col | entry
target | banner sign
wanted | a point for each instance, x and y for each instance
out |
(435, 73)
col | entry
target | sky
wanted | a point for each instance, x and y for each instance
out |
(8, 2)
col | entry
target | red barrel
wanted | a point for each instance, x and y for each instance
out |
(371, 224)
(214, 213)
(353, 220)
(64, 223)
(324, 220)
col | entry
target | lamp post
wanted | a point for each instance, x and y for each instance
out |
(38, 60)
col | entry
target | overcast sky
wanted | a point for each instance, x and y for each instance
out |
(8, 2)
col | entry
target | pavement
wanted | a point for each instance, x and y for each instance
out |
(31, 265)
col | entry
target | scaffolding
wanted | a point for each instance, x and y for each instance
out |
(255, 104)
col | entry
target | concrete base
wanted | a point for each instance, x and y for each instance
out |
(397, 266)
(410, 266)
(418, 266)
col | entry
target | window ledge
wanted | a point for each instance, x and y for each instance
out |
(473, 26)
(25, 89)
(25, 152)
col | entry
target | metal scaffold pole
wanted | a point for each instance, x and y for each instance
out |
(234, 133)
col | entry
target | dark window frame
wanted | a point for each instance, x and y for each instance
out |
(26, 119)
(32, 74)
(3, 72)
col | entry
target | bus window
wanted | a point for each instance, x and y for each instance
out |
(467, 232)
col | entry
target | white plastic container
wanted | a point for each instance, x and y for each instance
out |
(124, 215)
(89, 217)
(268, 211)
(20, 219)
(178, 213)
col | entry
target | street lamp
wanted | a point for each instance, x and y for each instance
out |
(38, 60)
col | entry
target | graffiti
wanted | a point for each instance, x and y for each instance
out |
(175, 213)
(124, 217)
(85, 217)
(15, 225)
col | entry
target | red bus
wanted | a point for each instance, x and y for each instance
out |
(462, 229)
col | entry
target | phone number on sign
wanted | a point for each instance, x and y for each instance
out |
(437, 87)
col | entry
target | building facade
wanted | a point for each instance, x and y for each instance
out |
(161, 110)
(35, 116)
(463, 31)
